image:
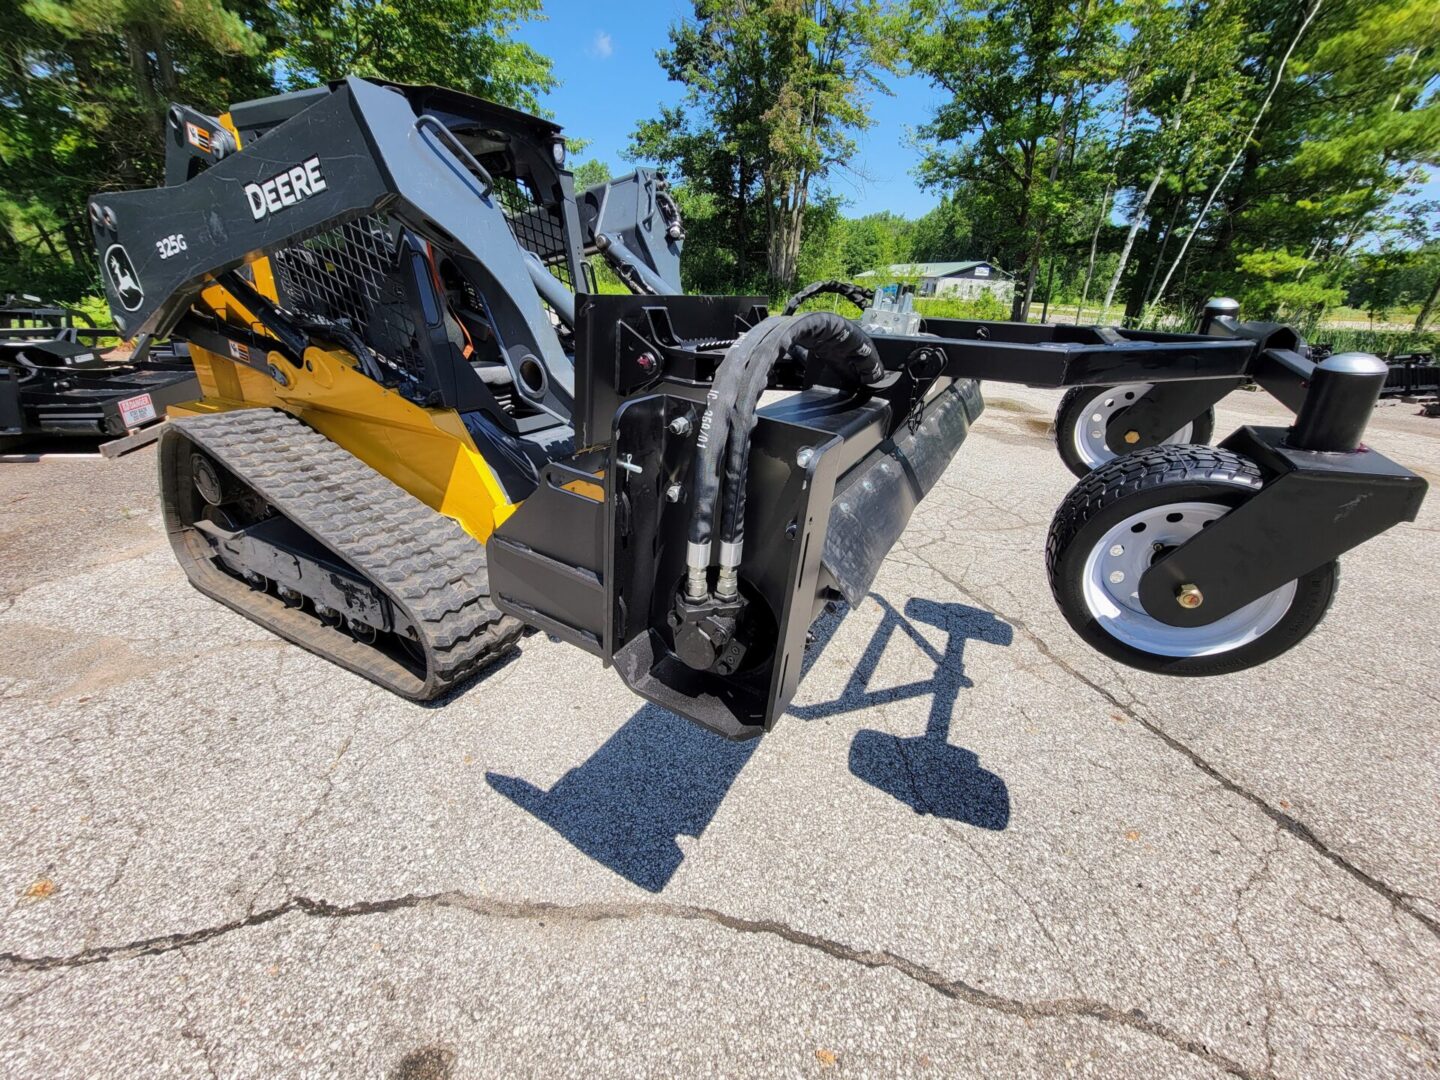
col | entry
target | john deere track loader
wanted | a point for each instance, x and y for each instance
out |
(422, 427)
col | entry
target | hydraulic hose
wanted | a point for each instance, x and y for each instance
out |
(709, 450)
(846, 357)
(858, 295)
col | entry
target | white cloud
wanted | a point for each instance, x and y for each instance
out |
(601, 46)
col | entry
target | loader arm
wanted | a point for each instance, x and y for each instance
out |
(358, 158)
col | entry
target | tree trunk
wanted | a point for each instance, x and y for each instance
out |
(1144, 260)
(1136, 220)
(1017, 302)
(1164, 243)
(78, 241)
(1428, 308)
(1094, 243)
(1245, 143)
(150, 105)
(1042, 228)
(164, 62)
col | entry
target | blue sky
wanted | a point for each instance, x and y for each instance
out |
(604, 56)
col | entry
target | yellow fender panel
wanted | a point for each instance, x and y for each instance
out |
(427, 452)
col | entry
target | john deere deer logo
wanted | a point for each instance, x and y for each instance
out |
(122, 278)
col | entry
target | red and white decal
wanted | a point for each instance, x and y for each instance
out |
(137, 410)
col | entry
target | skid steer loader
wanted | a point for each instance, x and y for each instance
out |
(422, 427)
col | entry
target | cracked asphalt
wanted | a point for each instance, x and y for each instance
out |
(972, 848)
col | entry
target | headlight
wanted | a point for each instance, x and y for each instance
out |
(557, 151)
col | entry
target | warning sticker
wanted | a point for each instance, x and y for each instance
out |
(198, 137)
(239, 351)
(137, 410)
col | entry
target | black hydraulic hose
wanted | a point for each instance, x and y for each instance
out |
(714, 434)
(858, 295)
(848, 358)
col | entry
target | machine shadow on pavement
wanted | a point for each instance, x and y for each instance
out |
(660, 776)
(657, 777)
(925, 772)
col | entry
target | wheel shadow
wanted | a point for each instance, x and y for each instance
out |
(926, 772)
(659, 777)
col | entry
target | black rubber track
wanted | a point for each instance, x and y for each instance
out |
(1069, 414)
(430, 569)
(1168, 474)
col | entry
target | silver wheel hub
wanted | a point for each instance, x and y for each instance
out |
(1111, 586)
(1088, 435)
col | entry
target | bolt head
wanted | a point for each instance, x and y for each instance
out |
(1132, 437)
(1189, 596)
(673, 492)
(680, 425)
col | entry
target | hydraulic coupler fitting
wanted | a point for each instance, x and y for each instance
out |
(1338, 403)
(697, 572)
(727, 582)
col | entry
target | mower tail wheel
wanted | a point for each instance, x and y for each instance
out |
(1128, 513)
(1084, 415)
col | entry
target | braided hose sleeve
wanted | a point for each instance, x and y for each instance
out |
(858, 295)
(847, 359)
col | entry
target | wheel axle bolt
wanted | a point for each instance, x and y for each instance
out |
(1132, 437)
(1189, 596)
(680, 425)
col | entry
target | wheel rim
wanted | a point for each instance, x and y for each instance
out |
(1112, 581)
(1088, 434)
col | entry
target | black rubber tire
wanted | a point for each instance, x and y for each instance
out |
(1153, 477)
(1072, 410)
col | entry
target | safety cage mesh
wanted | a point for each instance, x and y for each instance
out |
(341, 275)
(537, 227)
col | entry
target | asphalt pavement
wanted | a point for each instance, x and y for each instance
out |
(972, 848)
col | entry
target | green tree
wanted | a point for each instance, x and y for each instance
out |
(947, 232)
(85, 85)
(1184, 84)
(774, 91)
(872, 242)
(1021, 76)
(464, 44)
(589, 173)
(1347, 120)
